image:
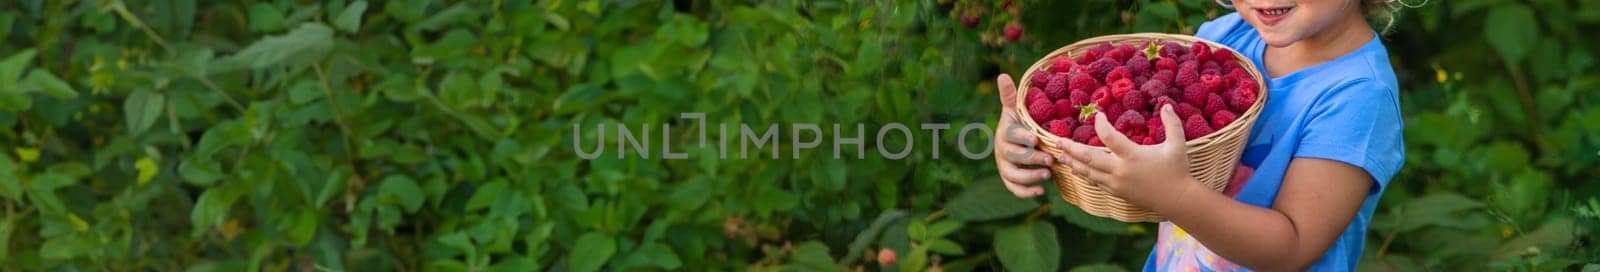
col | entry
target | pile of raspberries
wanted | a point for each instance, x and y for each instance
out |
(1207, 88)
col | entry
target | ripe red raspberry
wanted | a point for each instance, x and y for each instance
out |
(1240, 99)
(1125, 52)
(1185, 58)
(1223, 55)
(1214, 103)
(1172, 50)
(1212, 83)
(1159, 101)
(1168, 64)
(1056, 88)
(1101, 67)
(1222, 118)
(1201, 51)
(1082, 81)
(1110, 111)
(1122, 86)
(1247, 83)
(1119, 73)
(1013, 31)
(970, 19)
(1040, 78)
(1061, 65)
(1185, 110)
(886, 257)
(1083, 133)
(1035, 94)
(1131, 123)
(1135, 101)
(1078, 97)
(1060, 127)
(1195, 127)
(1101, 93)
(1186, 75)
(1140, 80)
(1156, 130)
(1115, 54)
(1164, 76)
(1065, 109)
(1195, 95)
(1042, 111)
(1235, 75)
(1154, 88)
(1139, 65)
(1095, 141)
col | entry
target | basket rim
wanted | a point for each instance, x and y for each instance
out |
(1069, 50)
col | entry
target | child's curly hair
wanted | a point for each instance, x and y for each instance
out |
(1380, 12)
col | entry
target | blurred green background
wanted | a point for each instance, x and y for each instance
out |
(438, 135)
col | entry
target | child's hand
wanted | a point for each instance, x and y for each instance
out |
(1147, 175)
(1016, 154)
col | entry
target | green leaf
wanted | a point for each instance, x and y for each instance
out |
(1028, 247)
(142, 109)
(1434, 209)
(590, 252)
(404, 190)
(872, 232)
(943, 228)
(946, 247)
(11, 68)
(302, 227)
(1511, 30)
(51, 85)
(987, 200)
(349, 20)
(65, 247)
(309, 42)
(1551, 236)
(1075, 215)
(917, 230)
(652, 255)
(7, 226)
(1098, 268)
(10, 183)
(813, 256)
(265, 17)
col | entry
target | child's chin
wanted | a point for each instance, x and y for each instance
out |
(1278, 40)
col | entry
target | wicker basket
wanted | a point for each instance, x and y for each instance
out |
(1211, 158)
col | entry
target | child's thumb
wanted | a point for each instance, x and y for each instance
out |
(1008, 91)
(1173, 124)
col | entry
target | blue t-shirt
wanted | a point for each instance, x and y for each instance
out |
(1345, 110)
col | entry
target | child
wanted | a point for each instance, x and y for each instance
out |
(1326, 143)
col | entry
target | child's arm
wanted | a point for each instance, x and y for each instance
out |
(1318, 199)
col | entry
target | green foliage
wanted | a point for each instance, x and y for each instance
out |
(444, 135)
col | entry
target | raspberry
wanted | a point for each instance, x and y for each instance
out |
(1035, 94)
(1222, 119)
(1140, 80)
(1115, 54)
(1195, 95)
(1122, 87)
(1099, 94)
(1082, 81)
(1247, 83)
(1060, 127)
(1186, 75)
(1078, 97)
(1194, 127)
(1119, 73)
(1214, 103)
(1153, 88)
(1101, 67)
(1240, 99)
(1040, 78)
(1164, 76)
(1041, 111)
(1211, 83)
(1109, 110)
(1095, 141)
(1159, 101)
(1083, 133)
(1138, 65)
(1236, 75)
(1211, 71)
(1102, 49)
(1126, 51)
(1168, 64)
(1201, 51)
(1013, 31)
(1223, 55)
(1156, 130)
(1184, 110)
(1086, 58)
(1173, 50)
(1065, 109)
(1135, 101)
(1056, 88)
(1061, 65)
(1131, 123)
(1185, 58)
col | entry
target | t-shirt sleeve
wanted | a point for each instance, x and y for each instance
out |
(1357, 123)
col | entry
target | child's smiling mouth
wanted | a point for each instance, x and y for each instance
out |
(1271, 16)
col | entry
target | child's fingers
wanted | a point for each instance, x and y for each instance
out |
(1173, 124)
(1113, 139)
(1021, 190)
(1091, 158)
(1008, 91)
(1024, 156)
(1019, 135)
(1024, 176)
